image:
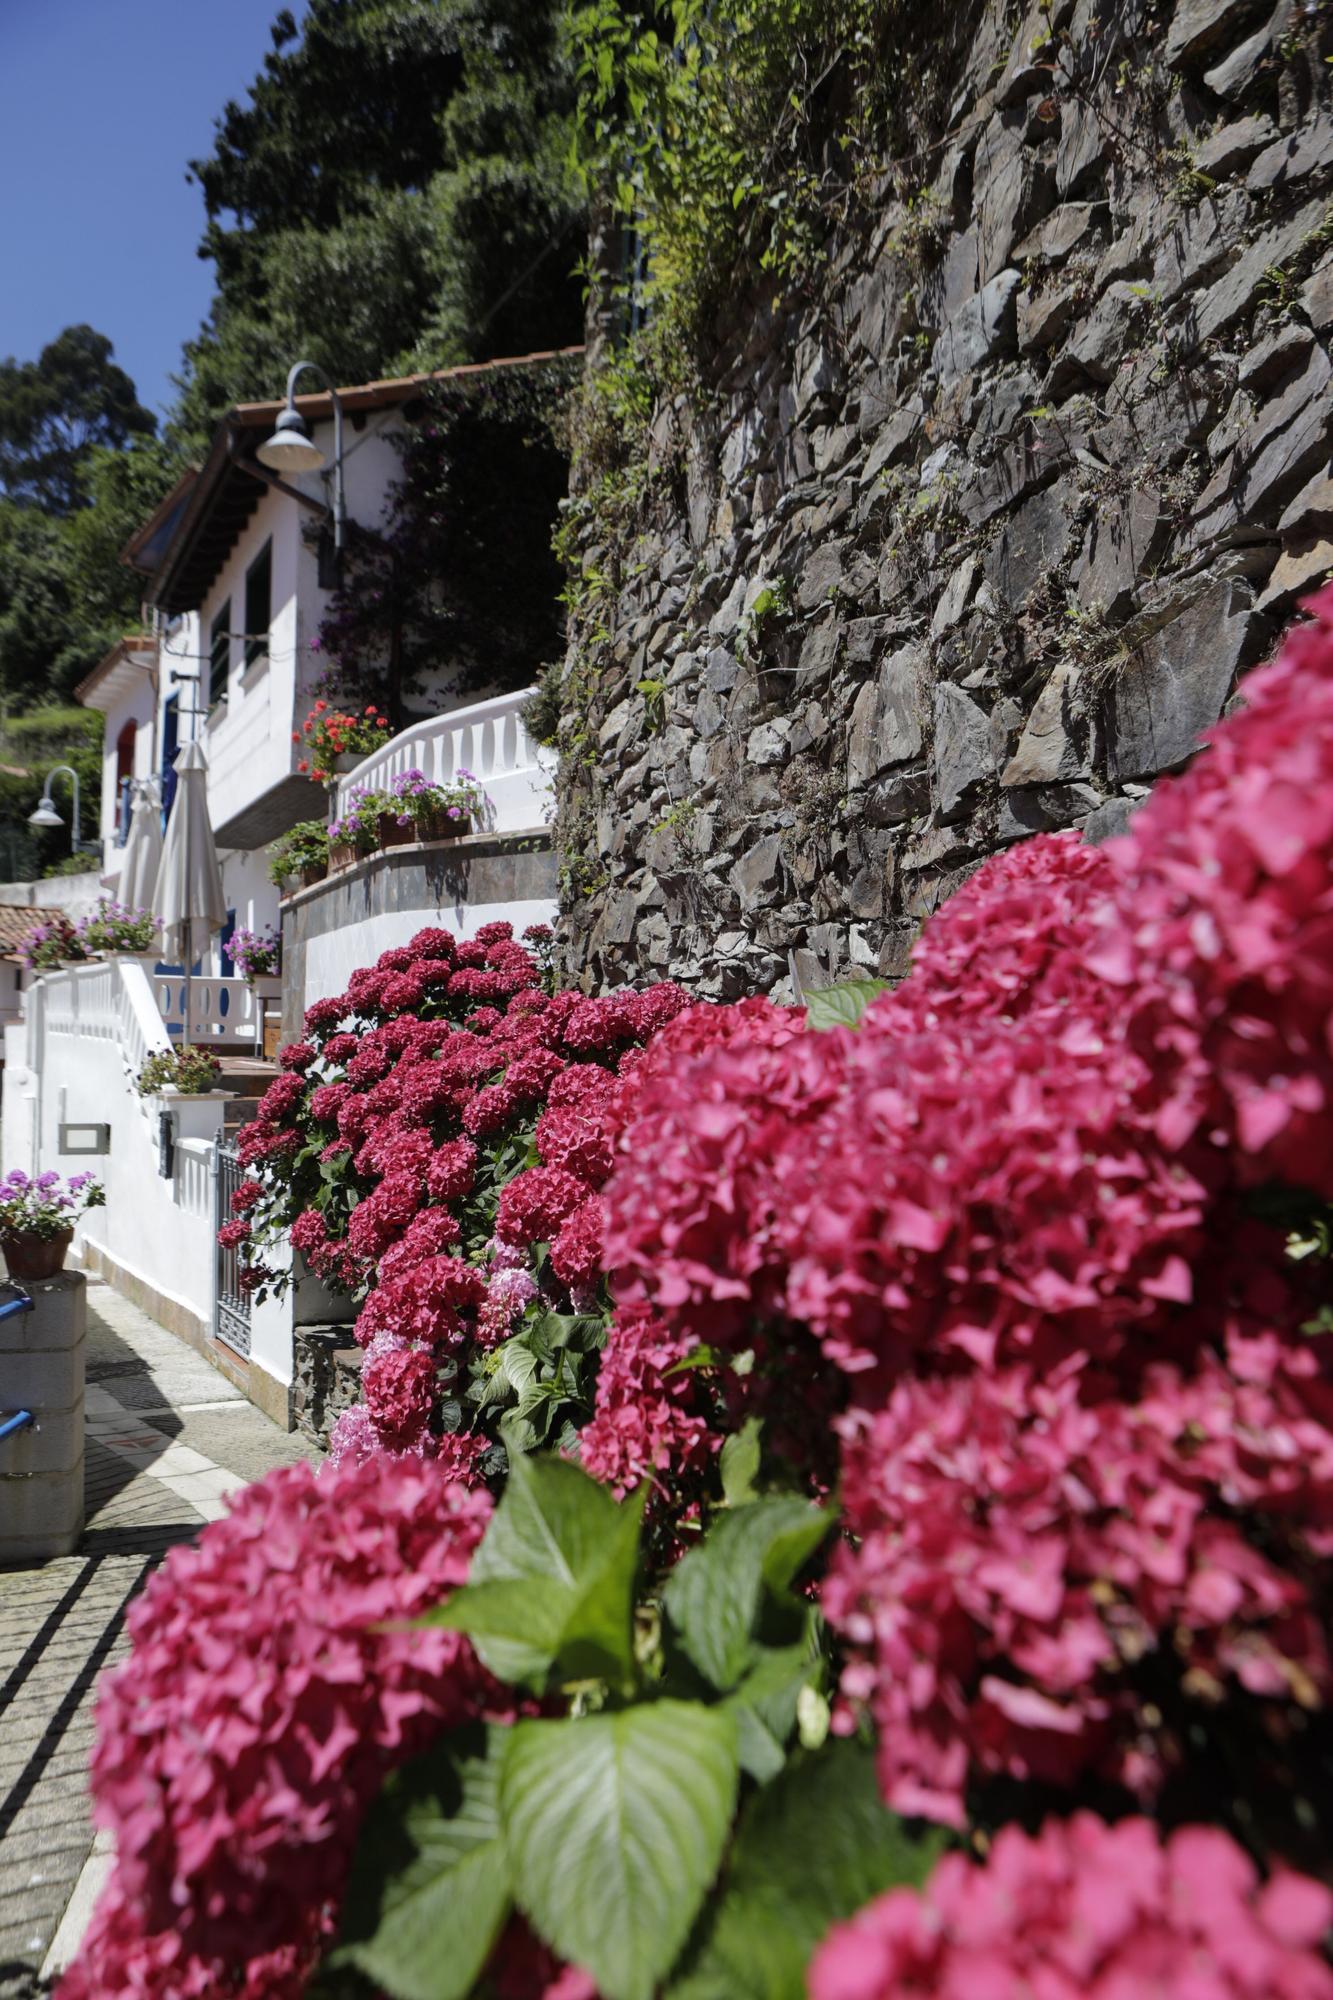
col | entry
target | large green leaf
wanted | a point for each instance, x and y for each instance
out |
(842, 1006)
(429, 1888)
(715, 1594)
(552, 1584)
(739, 1463)
(812, 1847)
(765, 1704)
(614, 1827)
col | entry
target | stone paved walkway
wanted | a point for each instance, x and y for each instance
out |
(168, 1438)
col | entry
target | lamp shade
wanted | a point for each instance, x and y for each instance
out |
(291, 447)
(45, 815)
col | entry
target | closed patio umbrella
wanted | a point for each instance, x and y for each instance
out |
(188, 901)
(143, 851)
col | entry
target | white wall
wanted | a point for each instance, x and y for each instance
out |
(137, 708)
(249, 892)
(160, 1230)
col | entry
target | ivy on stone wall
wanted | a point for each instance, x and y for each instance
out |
(730, 133)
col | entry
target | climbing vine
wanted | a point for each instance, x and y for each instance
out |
(730, 133)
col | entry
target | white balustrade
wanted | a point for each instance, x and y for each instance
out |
(489, 741)
(205, 1009)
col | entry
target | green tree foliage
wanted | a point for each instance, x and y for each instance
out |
(55, 411)
(30, 745)
(64, 594)
(395, 193)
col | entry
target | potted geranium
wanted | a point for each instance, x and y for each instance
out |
(335, 741)
(415, 809)
(52, 943)
(254, 954)
(115, 931)
(354, 835)
(302, 855)
(37, 1219)
(179, 1072)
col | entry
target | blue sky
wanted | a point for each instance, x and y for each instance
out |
(102, 102)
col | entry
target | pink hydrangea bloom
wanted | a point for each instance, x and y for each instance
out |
(1086, 1911)
(646, 1418)
(1019, 1546)
(272, 1683)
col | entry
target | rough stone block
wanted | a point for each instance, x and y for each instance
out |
(886, 718)
(1030, 545)
(1200, 26)
(963, 756)
(1047, 750)
(981, 330)
(1127, 536)
(1100, 343)
(758, 872)
(1291, 158)
(1174, 685)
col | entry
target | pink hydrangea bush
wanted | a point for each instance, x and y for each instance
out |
(1010, 1211)
(396, 1153)
(1086, 1911)
(273, 1682)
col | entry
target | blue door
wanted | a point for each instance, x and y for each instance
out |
(171, 725)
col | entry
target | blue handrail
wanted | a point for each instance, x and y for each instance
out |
(15, 1423)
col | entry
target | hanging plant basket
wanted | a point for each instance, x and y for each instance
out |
(30, 1256)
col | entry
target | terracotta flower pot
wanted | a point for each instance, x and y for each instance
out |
(442, 826)
(312, 872)
(30, 1256)
(391, 834)
(344, 853)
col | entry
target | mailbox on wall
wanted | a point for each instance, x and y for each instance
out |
(86, 1140)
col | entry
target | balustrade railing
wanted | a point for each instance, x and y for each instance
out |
(489, 741)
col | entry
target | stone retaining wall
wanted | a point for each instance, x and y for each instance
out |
(975, 542)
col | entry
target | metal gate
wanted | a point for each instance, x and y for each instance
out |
(233, 1316)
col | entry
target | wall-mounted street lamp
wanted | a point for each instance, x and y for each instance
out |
(46, 814)
(292, 450)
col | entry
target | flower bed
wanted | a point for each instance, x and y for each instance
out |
(52, 943)
(301, 856)
(1027, 1262)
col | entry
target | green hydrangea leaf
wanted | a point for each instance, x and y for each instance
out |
(812, 1847)
(429, 1888)
(715, 1595)
(841, 1006)
(615, 1826)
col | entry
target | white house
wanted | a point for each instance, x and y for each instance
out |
(233, 596)
(232, 562)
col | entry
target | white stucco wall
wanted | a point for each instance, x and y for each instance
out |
(101, 814)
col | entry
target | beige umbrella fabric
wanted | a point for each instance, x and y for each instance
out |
(188, 900)
(143, 851)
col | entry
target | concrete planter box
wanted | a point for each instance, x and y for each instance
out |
(41, 1466)
(313, 1304)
